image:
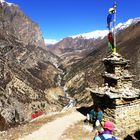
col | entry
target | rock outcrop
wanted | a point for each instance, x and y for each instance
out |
(26, 75)
(14, 21)
(27, 72)
(70, 45)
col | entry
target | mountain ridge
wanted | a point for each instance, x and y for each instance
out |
(97, 33)
(102, 33)
(82, 43)
(14, 21)
(28, 73)
(87, 72)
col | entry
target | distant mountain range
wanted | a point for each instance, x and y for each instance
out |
(87, 71)
(83, 41)
(100, 34)
(3, 2)
(50, 41)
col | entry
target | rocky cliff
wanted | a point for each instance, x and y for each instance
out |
(28, 74)
(69, 44)
(14, 21)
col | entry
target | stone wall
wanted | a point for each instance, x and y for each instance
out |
(127, 118)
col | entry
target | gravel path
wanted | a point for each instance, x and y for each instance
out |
(54, 129)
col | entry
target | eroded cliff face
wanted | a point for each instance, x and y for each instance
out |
(27, 74)
(29, 80)
(15, 22)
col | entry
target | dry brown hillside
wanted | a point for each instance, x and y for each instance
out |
(27, 72)
(87, 71)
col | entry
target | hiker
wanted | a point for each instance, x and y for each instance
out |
(99, 116)
(95, 116)
(91, 117)
(107, 133)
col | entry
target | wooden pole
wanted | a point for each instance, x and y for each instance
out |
(114, 32)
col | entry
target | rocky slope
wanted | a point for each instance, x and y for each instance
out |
(69, 44)
(14, 21)
(87, 71)
(29, 80)
(26, 76)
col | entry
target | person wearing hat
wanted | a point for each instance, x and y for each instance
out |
(107, 133)
(111, 10)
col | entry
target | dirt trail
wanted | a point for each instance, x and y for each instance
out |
(54, 129)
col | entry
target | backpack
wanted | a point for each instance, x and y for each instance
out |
(103, 138)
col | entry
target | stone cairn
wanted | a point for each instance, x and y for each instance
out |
(118, 99)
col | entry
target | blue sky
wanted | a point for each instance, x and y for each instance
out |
(61, 18)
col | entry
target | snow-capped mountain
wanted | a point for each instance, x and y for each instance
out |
(50, 41)
(100, 34)
(87, 41)
(122, 26)
(95, 34)
(3, 1)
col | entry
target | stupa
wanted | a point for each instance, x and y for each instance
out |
(118, 99)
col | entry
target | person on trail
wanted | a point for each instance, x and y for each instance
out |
(99, 116)
(95, 117)
(92, 115)
(107, 133)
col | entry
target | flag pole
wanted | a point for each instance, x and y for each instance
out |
(115, 44)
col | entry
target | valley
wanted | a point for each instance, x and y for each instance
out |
(43, 87)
